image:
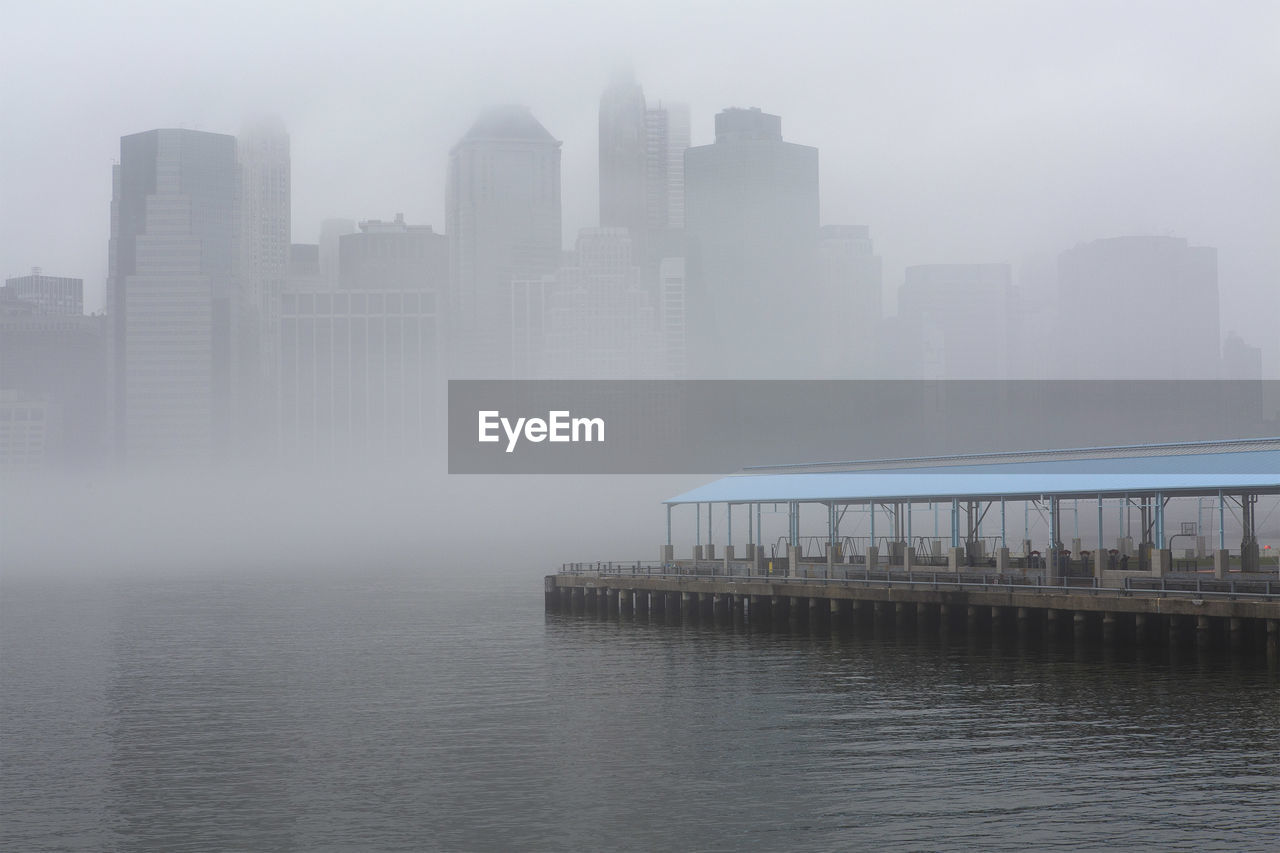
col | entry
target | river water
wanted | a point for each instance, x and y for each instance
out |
(444, 710)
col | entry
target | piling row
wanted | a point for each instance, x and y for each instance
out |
(1110, 619)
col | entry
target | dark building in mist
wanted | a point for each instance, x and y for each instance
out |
(852, 300)
(751, 221)
(265, 234)
(393, 256)
(953, 322)
(53, 380)
(1138, 308)
(50, 294)
(503, 224)
(359, 372)
(172, 283)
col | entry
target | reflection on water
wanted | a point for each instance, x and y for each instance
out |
(407, 712)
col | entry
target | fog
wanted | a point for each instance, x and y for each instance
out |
(984, 132)
(999, 134)
(245, 522)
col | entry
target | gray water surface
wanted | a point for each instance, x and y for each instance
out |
(443, 710)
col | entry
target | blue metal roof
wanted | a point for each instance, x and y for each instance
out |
(1196, 468)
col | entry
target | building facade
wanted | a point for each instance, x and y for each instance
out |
(1138, 308)
(751, 223)
(503, 223)
(50, 294)
(172, 283)
(592, 319)
(265, 234)
(59, 362)
(953, 322)
(393, 256)
(852, 300)
(359, 373)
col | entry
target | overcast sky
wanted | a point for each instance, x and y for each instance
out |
(960, 131)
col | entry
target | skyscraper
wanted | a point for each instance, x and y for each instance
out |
(751, 219)
(173, 261)
(503, 223)
(1138, 308)
(265, 235)
(667, 137)
(852, 300)
(623, 155)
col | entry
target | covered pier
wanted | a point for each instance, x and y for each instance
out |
(1085, 537)
(1105, 513)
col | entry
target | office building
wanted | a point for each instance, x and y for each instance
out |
(50, 294)
(751, 222)
(1138, 308)
(852, 300)
(953, 321)
(59, 361)
(591, 319)
(359, 373)
(265, 234)
(503, 224)
(173, 263)
(331, 232)
(393, 256)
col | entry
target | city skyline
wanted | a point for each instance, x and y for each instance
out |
(1010, 134)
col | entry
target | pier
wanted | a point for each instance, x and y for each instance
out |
(1119, 580)
(1244, 615)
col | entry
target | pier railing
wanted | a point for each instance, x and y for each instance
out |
(689, 571)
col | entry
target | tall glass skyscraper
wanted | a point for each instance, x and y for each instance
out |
(172, 282)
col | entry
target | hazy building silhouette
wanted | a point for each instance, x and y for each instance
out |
(852, 300)
(304, 267)
(173, 261)
(1138, 308)
(265, 234)
(331, 232)
(29, 427)
(503, 223)
(1244, 393)
(50, 294)
(53, 368)
(624, 159)
(751, 220)
(672, 316)
(1239, 359)
(953, 321)
(667, 137)
(393, 256)
(592, 319)
(358, 372)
